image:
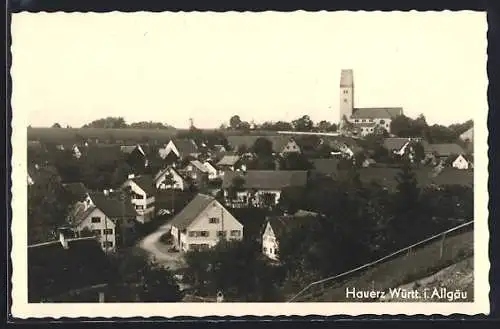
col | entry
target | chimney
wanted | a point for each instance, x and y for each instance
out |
(131, 176)
(63, 240)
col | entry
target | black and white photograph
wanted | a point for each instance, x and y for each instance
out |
(249, 163)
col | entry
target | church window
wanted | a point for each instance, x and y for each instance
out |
(345, 100)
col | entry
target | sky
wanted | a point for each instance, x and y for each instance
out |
(74, 68)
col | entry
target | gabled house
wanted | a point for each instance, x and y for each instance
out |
(58, 269)
(169, 174)
(259, 187)
(178, 149)
(136, 155)
(197, 172)
(203, 223)
(291, 146)
(343, 146)
(108, 217)
(228, 163)
(460, 162)
(276, 227)
(142, 191)
(212, 171)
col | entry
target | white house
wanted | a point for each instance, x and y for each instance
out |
(110, 219)
(291, 146)
(179, 183)
(203, 223)
(277, 226)
(460, 162)
(212, 171)
(142, 190)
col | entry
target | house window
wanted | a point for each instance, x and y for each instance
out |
(221, 234)
(139, 207)
(107, 244)
(204, 234)
(382, 121)
(213, 220)
(345, 100)
(264, 249)
(108, 231)
(96, 232)
(192, 234)
(363, 120)
(96, 219)
(371, 120)
(357, 120)
(271, 251)
(235, 233)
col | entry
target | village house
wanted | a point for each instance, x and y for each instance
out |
(68, 269)
(441, 152)
(136, 155)
(260, 187)
(203, 223)
(461, 162)
(177, 149)
(142, 190)
(167, 174)
(366, 120)
(107, 217)
(276, 227)
(342, 146)
(228, 163)
(213, 173)
(197, 172)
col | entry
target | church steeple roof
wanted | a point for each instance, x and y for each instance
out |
(346, 78)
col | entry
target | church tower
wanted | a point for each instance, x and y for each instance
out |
(346, 94)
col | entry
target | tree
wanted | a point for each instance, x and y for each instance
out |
(213, 270)
(262, 147)
(294, 161)
(235, 122)
(108, 122)
(242, 149)
(245, 126)
(56, 125)
(140, 279)
(236, 186)
(325, 126)
(303, 123)
(48, 206)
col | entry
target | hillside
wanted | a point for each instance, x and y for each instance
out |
(459, 276)
(403, 269)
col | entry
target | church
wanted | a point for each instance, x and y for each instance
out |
(362, 121)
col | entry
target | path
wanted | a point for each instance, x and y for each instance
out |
(159, 251)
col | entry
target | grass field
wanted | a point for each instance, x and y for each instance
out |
(61, 135)
(404, 269)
